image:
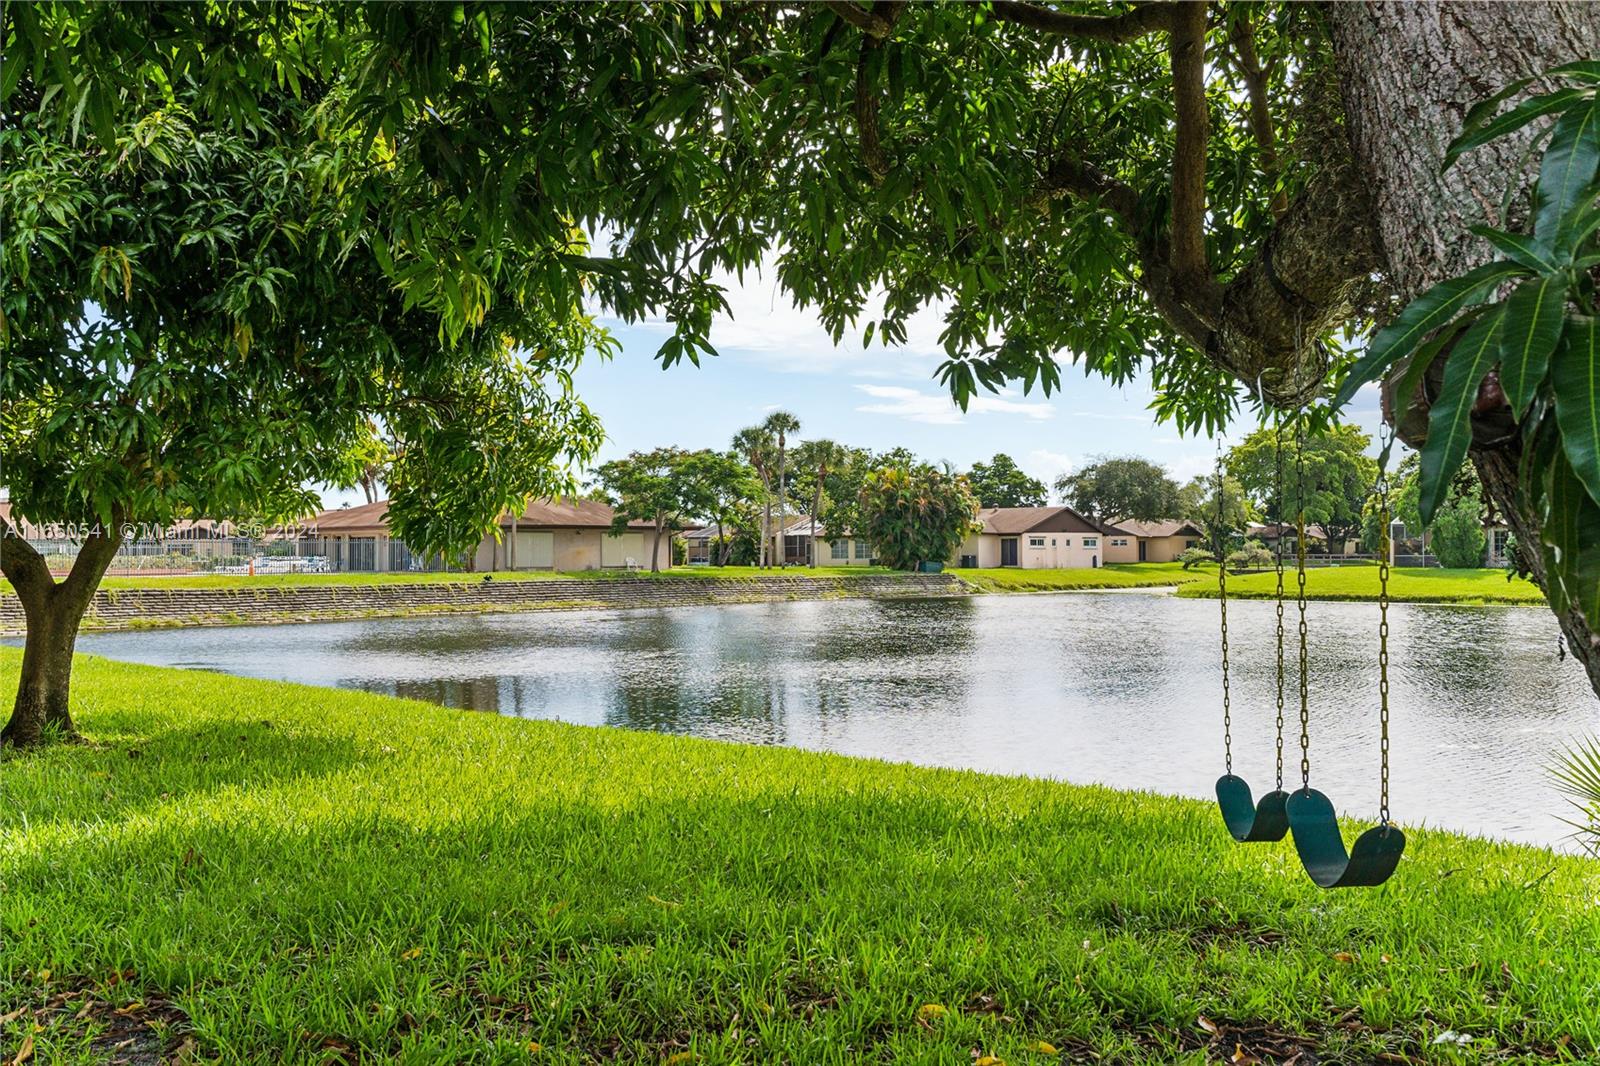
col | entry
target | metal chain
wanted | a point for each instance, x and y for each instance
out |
(1300, 578)
(1222, 598)
(1277, 483)
(1383, 632)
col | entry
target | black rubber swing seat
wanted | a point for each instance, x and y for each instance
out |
(1247, 820)
(1316, 837)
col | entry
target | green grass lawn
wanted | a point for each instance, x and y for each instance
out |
(262, 872)
(413, 577)
(1406, 584)
(1110, 576)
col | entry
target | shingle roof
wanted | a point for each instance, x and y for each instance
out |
(1011, 520)
(539, 514)
(1168, 527)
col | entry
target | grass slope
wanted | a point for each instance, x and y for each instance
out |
(1110, 576)
(264, 872)
(1406, 585)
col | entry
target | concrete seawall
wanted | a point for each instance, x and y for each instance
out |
(152, 607)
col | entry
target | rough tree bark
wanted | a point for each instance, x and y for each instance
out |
(53, 612)
(1408, 73)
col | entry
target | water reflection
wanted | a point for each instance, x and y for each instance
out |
(1117, 688)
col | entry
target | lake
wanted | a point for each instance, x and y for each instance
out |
(1119, 688)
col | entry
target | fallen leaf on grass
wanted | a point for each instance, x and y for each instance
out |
(1208, 1025)
(534, 1047)
(929, 1011)
(13, 1016)
(680, 1057)
(1243, 1057)
(988, 1060)
(25, 1052)
(1043, 1047)
(407, 956)
(1343, 956)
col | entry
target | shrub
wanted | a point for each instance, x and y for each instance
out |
(1193, 557)
(1253, 556)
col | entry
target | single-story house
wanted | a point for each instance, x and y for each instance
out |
(1130, 541)
(1316, 539)
(792, 544)
(1033, 538)
(564, 534)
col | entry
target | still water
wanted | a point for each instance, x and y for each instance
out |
(1119, 688)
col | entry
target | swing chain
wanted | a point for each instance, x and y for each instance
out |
(1277, 481)
(1222, 599)
(1300, 579)
(1384, 548)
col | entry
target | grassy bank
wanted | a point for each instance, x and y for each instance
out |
(266, 872)
(1110, 576)
(224, 581)
(1406, 585)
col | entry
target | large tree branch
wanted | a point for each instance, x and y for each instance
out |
(1187, 49)
(23, 566)
(875, 26)
(1142, 20)
(1255, 77)
(872, 153)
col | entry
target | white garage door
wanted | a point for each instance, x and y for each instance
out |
(535, 551)
(617, 550)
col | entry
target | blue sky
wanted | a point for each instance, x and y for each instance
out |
(774, 355)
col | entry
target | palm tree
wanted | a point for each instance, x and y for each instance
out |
(819, 456)
(756, 445)
(780, 424)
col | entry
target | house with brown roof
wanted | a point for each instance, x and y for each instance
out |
(1130, 541)
(561, 534)
(1034, 538)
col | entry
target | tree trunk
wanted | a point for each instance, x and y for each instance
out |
(53, 613)
(1408, 73)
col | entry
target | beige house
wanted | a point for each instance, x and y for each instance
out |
(1033, 538)
(563, 534)
(1150, 542)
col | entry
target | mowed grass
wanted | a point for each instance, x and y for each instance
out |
(1110, 576)
(1406, 585)
(247, 581)
(315, 876)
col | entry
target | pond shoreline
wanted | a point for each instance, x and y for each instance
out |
(159, 608)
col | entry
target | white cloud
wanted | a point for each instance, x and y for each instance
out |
(1047, 465)
(1188, 467)
(936, 408)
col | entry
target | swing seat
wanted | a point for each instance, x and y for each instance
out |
(1250, 821)
(1316, 837)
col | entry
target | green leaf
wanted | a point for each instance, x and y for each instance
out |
(1406, 388)
(1532, 330)
(1568, 168)
(1422, 316)
(1520, 249)
(1514, 120)
(1575, 380)
(1450, 422)
(1571, 534)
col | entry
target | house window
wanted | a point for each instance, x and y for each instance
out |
(1500, 536)
(1091, 542)
(863, 550)
(1066, 542)
(1119, 542)
(1190, 543)
(840, 549)
(1035, 542)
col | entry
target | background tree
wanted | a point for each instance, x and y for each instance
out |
(1000, 483)
(760, 450)
(1339, 478)
(779, 424)
(1197, 504)
(1456, 534)
(721, 484)
(819, 458)
(916, 515)
(659, 486)
(1127, 487)
(197, 323)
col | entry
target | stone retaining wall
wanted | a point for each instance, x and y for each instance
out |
(133, 608)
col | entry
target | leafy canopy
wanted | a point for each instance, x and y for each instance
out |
(1329, 476)
(1001, 483)
(1126, 487)
(203, 312)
